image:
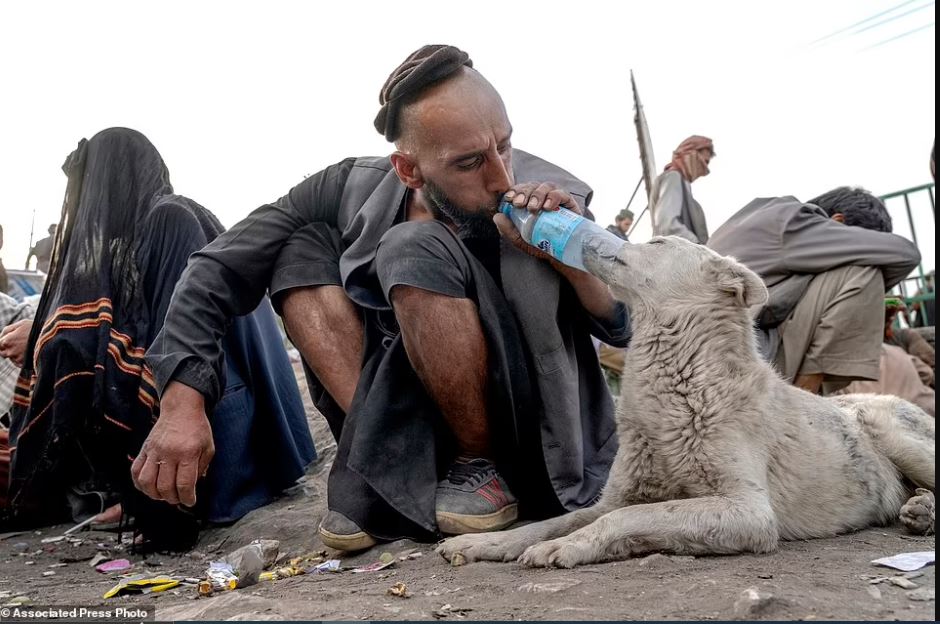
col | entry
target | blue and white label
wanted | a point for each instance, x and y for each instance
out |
(553, 230)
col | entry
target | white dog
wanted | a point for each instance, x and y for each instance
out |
(717, 453)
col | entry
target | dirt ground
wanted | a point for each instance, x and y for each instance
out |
(827, 579)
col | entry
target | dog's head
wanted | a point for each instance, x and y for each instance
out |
(670, 271)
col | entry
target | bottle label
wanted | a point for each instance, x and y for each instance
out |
(553, 229)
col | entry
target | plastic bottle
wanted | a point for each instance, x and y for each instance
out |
(562, 233)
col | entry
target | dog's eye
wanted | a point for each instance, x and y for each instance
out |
(657, 242)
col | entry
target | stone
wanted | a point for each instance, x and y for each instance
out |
(902, 582)
(924, 594)
(549, 587)
(752, 602)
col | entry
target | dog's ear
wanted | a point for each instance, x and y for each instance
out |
(738, 282)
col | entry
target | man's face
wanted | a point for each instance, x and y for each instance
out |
(467, 223)
(462, 148)
(625, 225)
(697, 163)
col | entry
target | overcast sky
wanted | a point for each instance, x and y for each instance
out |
(245, 98)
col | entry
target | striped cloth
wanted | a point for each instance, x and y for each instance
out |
(11, 311)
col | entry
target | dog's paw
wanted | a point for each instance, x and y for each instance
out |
(558, 553)
(472, 547)
(917, 514)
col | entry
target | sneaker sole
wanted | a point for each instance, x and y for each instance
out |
(348, 543)
(458, 524)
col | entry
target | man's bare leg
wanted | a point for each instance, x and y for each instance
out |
(445, 344)
(326, 328)
(811, 383)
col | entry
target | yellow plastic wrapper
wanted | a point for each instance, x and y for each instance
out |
(281, 573)
(142, 585)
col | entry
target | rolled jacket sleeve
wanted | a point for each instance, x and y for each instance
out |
(813, 243)
(616, 331)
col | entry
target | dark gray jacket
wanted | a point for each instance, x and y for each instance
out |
(788, 242)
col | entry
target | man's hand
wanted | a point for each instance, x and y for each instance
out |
(591, 291)
(13, 341)
(544, 196)
(178, 450)
(534, 197)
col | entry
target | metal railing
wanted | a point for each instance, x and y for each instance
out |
(917, 289)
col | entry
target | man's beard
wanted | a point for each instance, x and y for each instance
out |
(468, 224)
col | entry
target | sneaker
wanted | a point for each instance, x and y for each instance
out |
(339, 532)
(473, 499)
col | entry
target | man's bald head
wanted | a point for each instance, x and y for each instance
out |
(430, 118)
(452, 135)
(424, 67)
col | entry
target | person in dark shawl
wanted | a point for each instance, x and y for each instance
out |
(453, 363)
(86, 400)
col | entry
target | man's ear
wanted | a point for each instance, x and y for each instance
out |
(738, 282)
(407, 169)
(838, 217)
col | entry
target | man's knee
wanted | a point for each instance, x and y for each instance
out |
(309, 259)
(837, 328)
(424, 255)
(423, 240)
(863, 281)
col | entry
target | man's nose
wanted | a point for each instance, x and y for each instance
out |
(498, 177)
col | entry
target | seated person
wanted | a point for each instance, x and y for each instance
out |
(13, 314)
(455, 367)
(898, 375)
(827, 264)
(14, 328)
(85, 400)
(673, 210)
(922, 353)
(901, 374)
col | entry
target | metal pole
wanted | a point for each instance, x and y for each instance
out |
(637, 221)
(32, 225)
(922, 282)
(637, 188)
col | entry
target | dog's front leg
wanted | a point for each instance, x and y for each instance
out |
(508, 545)
(707, 525)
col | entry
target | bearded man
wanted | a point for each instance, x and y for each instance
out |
(454, 365)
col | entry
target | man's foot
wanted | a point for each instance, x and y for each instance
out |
(473, 498)
(339, 532)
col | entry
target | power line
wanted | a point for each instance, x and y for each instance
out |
(867, 19)
(894, 17)
(902, 35)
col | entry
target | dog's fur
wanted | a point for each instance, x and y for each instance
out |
(717, 453)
